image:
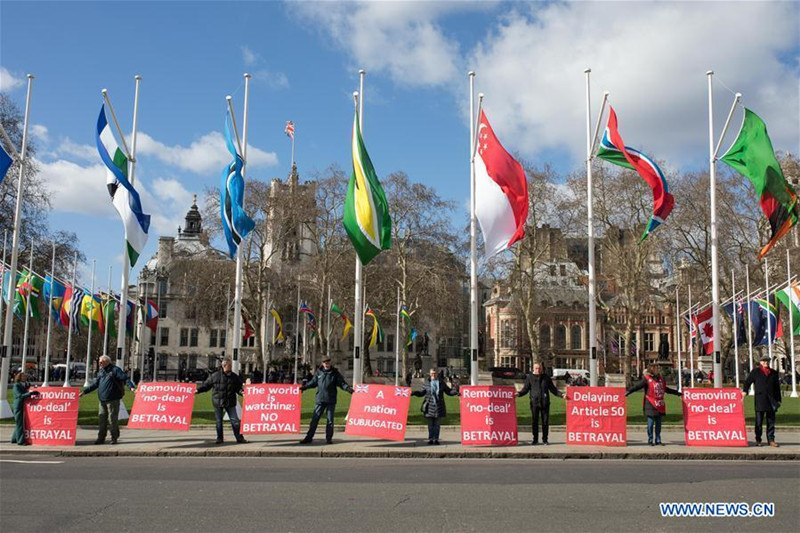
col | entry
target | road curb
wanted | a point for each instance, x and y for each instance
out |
(409, 454)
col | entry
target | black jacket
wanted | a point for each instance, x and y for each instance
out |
(540, 386)
(110, 384)
(226, 387)
(649, 408)
(326, 382)
(433, 405)
(767, 389)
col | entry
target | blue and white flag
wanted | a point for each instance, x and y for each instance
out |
(235, 222)
(5, 162)
(123, 195)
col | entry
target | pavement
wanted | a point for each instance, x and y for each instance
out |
(200, 442)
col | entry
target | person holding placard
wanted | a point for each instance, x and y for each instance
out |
(767, 390)
(653, 402)
(226, 386)
(21, 394)
(433, 406)
(326, 380)
(110, 384)
(540, 386)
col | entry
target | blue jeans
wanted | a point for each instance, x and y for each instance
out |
(434, 425)
(231, 410)
(318, 410)
(651, 421)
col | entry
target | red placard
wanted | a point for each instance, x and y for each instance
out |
(713, 417)
(488, 415)
(379, 411)
(597, 416)
(51, 419)
(271, 408)
(165, 406)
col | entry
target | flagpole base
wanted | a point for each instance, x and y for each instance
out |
(793, 394)
(5, 409)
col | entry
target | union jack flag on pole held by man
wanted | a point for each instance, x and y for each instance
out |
(402, 391)
(361, 388)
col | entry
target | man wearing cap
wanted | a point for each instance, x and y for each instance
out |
(326, 380)
(767, 398)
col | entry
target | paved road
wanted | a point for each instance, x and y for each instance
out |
(199, 494)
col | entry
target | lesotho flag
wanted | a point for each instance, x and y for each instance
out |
(235, 222)
(124, 197)
(613, 150)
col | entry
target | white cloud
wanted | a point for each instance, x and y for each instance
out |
(249, 57)
(84, 152)
(207, 154)
(8, 81)
(40, 132)
(77, 189)
(399, 38)
(652, 57)
(274, 80)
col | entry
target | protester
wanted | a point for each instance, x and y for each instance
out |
(226, 385)
(539, 385)
(325, 380)
(767, 398)
(653, 402)
(21, 393)
(110, 383)
(433, 406)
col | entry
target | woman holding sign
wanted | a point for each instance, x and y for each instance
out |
(433, 407)
(654, 405)
(21, 393)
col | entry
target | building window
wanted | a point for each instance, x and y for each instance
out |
(575, 338)
(191, 312)
(184, 337)
(563, 270)
(192, 361)
(193, 337)
(164, 341)
(152, 338)
(162, 361)
(390, 343)
(212, 339)
(162, 311)
(649, 342)
(663, 319)
(544, 337)
(561, 337)
(223, 337)
(162, 287)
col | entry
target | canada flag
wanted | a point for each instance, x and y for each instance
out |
(705, 326)
(501, 192)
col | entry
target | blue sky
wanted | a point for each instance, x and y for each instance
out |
(304, 57)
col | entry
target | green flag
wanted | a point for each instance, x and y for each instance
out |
(366, 211)
(753, 156)
(790, 297)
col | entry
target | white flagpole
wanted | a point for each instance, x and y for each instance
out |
(47, 348)
(749, 323)
(5, 353)
(227, 319)
(735, 328)
(714, 245)
(89, 335)
(790, 291)
(158, 325)
(105, 305)
(397, 342)
(291, 166)
(27, 312)
(3, 298)
(237, 299)
(473, 243)
(142, 314)
(358, 326)
(305, 339)
(590, 224)
(329, 330)
(363, 319)
(265, 353)
(678, 337)
(691, 340)
(69, 313)
(769, 322)
(297, 333)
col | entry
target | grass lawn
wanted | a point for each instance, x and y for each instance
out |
(788, 415)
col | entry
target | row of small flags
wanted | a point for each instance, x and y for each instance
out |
(398, 391)
(764, 319)
(72, 306)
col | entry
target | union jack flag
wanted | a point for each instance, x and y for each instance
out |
(362, 388)
(289, 131)
(402, 391)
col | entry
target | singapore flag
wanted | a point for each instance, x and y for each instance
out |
(501, 192)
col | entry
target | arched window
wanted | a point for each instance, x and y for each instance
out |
(505, 334)
(575, 338)
(544, 337)
(561, 337)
